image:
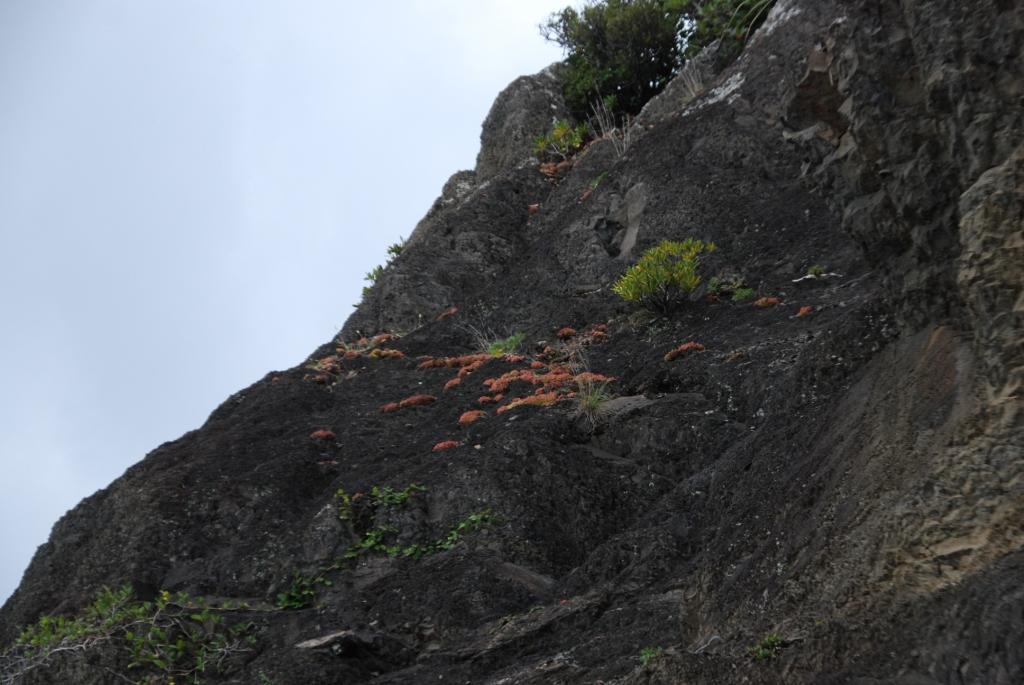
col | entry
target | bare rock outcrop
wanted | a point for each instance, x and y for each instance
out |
(525, 110)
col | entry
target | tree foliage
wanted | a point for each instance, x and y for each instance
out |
(171, 639)
(625, 48)
(630, 49)
(731, 21)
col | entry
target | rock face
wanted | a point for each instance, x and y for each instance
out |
(837, 479)
(470, 236)
(687, 85)
(525, 110)
(990, 277)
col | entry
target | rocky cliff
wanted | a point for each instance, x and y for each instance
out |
(827, 488)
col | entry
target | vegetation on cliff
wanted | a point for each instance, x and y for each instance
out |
(664, 275)
(623, 52)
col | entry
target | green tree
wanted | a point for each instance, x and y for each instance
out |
(626, 51)
(731, 21)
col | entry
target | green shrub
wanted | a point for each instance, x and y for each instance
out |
(625, 48)
(171, 639)
(630, 49)
(664, 275)
(563, 140)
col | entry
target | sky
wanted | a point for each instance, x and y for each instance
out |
(190, 194)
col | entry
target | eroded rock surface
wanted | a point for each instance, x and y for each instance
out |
(525, 110)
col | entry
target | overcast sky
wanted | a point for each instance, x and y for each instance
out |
(190, 194)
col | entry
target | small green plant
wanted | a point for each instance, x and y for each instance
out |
(768, 647)
(597, 180)
(649, 654)
(303, 590)
(371, 277)
(373, 541)
(725, 286)
(510, 345)
(343, 503)
(374, 274)
(171, 639)
(389, 497)
(563, 140)
(816, 270)
(606, 125)
(664, 275)
(376, 539)
(473, 522)
(591, 395)
(301, 593)
(395, 249)
(743, 294)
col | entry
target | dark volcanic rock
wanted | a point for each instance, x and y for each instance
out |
(525, 110)
(844, 469)
(687, 85)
